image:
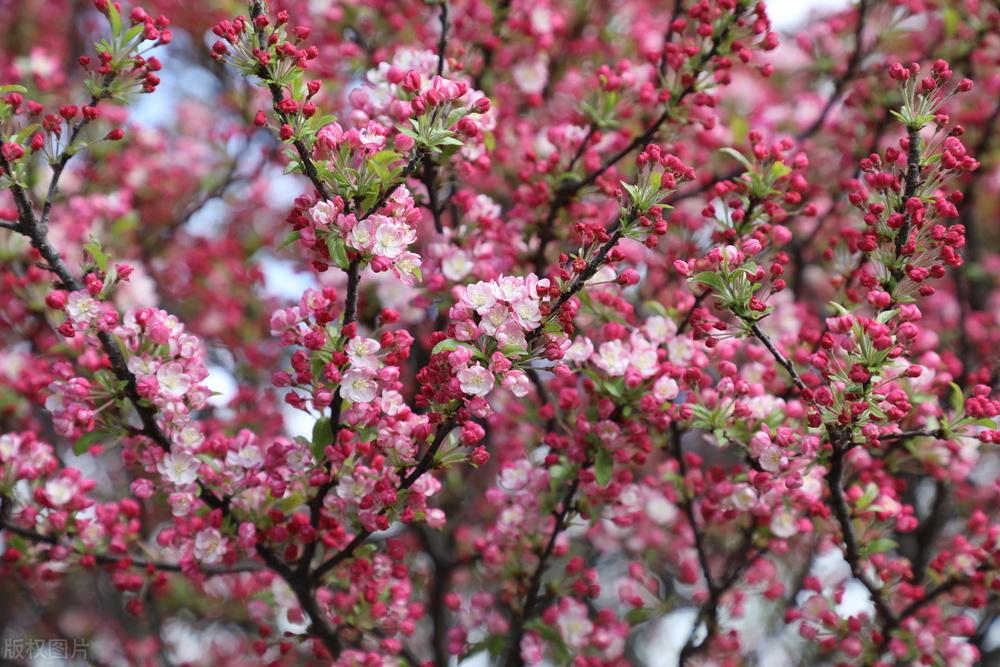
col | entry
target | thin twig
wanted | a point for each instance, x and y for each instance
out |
(124, 560)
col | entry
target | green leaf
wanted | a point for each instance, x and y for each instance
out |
(317, 362)
(710, 278)
(878, 546)
(602, 466)
(291, 503)
(322, 436)
(115, 19)
(957, 400)
(97, 252)
(12, 88)
(640, 615)
(338, 251)
(447, 345)
(613, 388)
(739, 127)
(132, 33)
(779, 169)
(738, 156)
(951, 19)
(88, 440)
(871, 493)
(839, 308)
(385, 157)
(22, 136)
(289, 240)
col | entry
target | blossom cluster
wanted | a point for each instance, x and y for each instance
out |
(527, 333)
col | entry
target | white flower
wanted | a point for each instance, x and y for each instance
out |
(771, 459)
(484, 208)
(515, 476)
(476, 380)
(680, 351)
(531, 76)
(178, 468)
(10, 444)
(743, 497)
(494, 318)
(323, 213)
(480, 297)
(60, 491)
(189, 438)
(209, 546)
(527, 313)
(361, 352)
(660, 329)
(172, 380)
(371, 139)
(574, 623)
(665, 389)
(248, 456)
(783, 524)
(660, 510)
(407, 268)
(643, 356)
(392, 238)
(612, 358)
(353, 487)
(391, 402)
(517, 382)
(357, 386)
(82, 308)
(457, 265)
(511, 288)
(362, 235)
(580, 350)
(541, 20)
(181, 503)
(510, 518)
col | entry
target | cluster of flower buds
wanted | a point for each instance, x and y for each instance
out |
(427, 109)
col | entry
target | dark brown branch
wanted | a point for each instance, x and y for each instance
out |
(912, 182)
(565, 194)
(443, 39)
(778, 356)
(840, 83)
(529, 608)
(425, 464)
(109, 559)
(945, 587)
(842, 512)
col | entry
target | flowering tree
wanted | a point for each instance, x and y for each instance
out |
(623, 335)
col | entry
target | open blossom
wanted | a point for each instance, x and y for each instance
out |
(574, 623)
(172, 381)
(508, 307)
(179, 468)
(358, 386)
(382, 238)
(662, 351)
(476, 380)
(361, 352)
(82, 308)
(615, 357)
(391, 237)
(611, 357)
(666, 389)
(209, 546)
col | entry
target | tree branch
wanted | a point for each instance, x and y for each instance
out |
(109, 559)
